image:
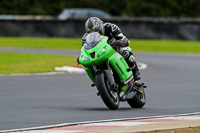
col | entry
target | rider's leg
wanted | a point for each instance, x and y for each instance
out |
(136, 72)
(130, 59)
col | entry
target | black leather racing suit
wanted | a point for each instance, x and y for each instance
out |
(114, 34)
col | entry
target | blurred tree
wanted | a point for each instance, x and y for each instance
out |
(163, 8)
(144, 8)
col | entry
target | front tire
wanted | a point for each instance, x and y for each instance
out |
(109, 97)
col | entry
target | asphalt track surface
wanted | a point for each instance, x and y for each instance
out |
(39, 100)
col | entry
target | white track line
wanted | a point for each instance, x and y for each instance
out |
(95, 122)
(28, 74)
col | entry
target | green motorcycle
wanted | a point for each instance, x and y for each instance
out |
(110, 73)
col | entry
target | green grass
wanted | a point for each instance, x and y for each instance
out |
(76, 43)
(48, 43)
(174, 46)
(32, 63)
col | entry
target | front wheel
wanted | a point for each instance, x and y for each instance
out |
(139, 100)
(109, 97)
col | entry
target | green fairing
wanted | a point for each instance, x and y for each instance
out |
(103, 51)
(89, 72)
(120, 65)
(129, 49)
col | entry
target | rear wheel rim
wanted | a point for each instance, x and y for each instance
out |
(140, 94)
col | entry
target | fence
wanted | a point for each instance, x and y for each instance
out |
(140, 28)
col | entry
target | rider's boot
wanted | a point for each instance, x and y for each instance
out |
(133, 65)
(136, 72)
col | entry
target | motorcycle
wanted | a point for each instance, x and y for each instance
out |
(110, 73)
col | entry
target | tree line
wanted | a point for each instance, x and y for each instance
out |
(125, 8)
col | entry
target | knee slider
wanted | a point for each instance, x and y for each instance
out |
(131, 58)
(125, 54)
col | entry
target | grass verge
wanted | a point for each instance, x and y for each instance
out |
(32, 63)
(175, 46)
(48, 43)
(172, 46)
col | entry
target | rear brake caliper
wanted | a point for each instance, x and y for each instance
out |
(139, 86)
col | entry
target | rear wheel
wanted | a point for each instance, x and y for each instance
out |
(109, 97)
(139, 100)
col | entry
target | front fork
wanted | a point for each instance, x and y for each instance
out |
(109, 74)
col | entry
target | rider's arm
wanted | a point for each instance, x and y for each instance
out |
(120, 39)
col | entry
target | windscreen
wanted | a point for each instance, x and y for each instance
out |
(92, 39)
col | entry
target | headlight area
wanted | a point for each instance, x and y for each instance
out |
(103, 50)
(84, 58)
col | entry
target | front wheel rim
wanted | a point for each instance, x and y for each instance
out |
(113, 94)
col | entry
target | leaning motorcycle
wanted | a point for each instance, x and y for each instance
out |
(110, 73)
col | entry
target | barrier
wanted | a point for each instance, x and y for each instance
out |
(138, 28)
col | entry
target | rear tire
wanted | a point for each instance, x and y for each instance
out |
(109, 97)
(139, 100)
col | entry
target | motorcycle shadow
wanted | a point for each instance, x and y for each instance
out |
(104, 109)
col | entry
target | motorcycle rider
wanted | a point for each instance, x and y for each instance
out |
(115, 38)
